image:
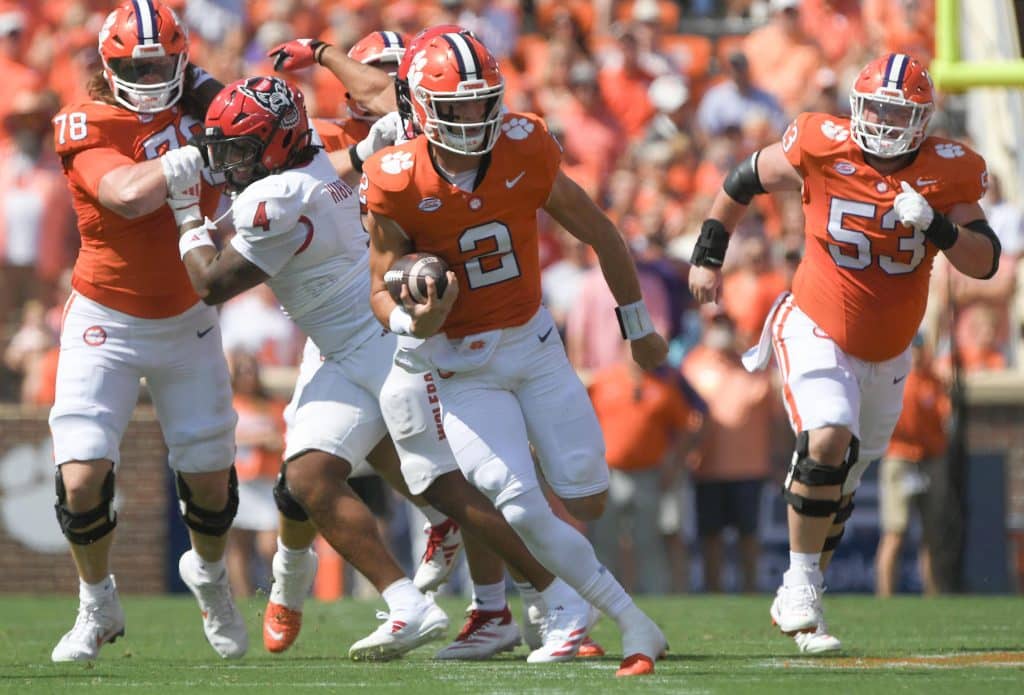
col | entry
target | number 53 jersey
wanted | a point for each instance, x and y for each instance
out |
(487, 235)
(864, 276)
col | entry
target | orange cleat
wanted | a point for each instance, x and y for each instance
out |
(635, 665)
(281, 627)
(589, 649)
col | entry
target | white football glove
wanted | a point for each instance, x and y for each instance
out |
(182, 168)
(185, 205)
(912, 209)
(384, 132)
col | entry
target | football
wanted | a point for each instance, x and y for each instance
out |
(412, 270)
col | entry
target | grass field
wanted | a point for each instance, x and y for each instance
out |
(718, 645)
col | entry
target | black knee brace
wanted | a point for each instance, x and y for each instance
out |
(205, 521)
(78, 527)
(286, 504)
(814, 474)
(842, 515)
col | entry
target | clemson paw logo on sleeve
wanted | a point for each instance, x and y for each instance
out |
(517, 128)
(396, 162)
(949, 150)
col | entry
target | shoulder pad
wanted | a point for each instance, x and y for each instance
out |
(268, 206)
(524, 126)
(817, 134)
(391, 169)
(87, 125)
(964, 170)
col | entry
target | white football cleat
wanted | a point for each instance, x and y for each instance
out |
(533, 621)
(444, 543)
(565, 627)
(485, 634)
(282, 619)
(222, 623)
(96, 624)
(797, 608)
(400, 634)
(817, 642)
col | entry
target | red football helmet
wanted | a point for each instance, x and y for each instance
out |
(144, 49)
(381, 49)
(890, 105)
(255, 127)
(456, 89)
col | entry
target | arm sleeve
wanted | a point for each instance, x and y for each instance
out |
(269, 229)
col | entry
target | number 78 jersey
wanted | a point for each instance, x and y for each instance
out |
(864, 276)
(487, 236)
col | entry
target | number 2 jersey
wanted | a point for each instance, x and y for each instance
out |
(487, 236)
(301, 227)
(864, 276)
(129, 265)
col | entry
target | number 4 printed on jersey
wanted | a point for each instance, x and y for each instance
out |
(839, 208)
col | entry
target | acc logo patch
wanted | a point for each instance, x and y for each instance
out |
(789, 137)
(834, 131)
(396, 162)
(845, 168)
(949, 150)
(429, 204)
(517, 128)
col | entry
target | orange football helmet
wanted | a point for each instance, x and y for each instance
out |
(402, 77)
(456, 90)
(381, 49)
(144, 49)
(890, 105)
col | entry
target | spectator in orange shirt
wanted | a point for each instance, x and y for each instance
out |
(735, 455)
(648, 426)
(783, 59)
(912, 474)
(750, 288)
(624, 84)
(259, 437)
(901, 26)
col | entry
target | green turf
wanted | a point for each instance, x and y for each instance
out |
(719, 645)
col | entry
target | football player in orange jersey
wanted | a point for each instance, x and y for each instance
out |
(880, 199)
(133, 313)
(468, 190)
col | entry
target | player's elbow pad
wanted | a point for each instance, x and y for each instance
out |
(982, 227)
(743, 183)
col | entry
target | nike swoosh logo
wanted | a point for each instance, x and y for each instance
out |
(200, 334)
(926, 182)
(275, 634)
(898, 379)
(509, 183)
(544, 337)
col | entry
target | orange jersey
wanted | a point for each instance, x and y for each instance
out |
(864, 276)
(131, 266)
(487, 237)
(340, 133)
(920, 433)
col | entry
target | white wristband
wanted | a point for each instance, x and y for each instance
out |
(400, 322)
(193, 239)
(634, 320)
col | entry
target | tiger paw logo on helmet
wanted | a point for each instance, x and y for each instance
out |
(517, 128)
(396, 162)
(273, 95)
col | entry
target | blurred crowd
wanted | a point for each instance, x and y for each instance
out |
(653, 102)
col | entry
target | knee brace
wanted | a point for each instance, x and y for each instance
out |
(286, 504)
(206, 521)
(78, 527)
(814, 474)
(842, 515)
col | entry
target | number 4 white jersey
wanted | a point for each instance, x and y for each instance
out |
(302, 228)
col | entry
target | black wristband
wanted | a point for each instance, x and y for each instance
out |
(941, 231)
(318, 49)
(711, 245)
(357, 163)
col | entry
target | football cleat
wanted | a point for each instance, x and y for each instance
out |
(97, 624)
(642, 643)
(589, 649)
(797, 608)
(400, 634)
(533, 621)
(222, 623)
(444, 543)
(565, 627)
(817, 642)
(282, 619)
(485, 634)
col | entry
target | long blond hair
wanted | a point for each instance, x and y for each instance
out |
(99, 90)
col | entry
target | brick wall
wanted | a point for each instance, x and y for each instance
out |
(33, 556)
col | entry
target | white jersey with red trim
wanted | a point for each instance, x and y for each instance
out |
(301, 227)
